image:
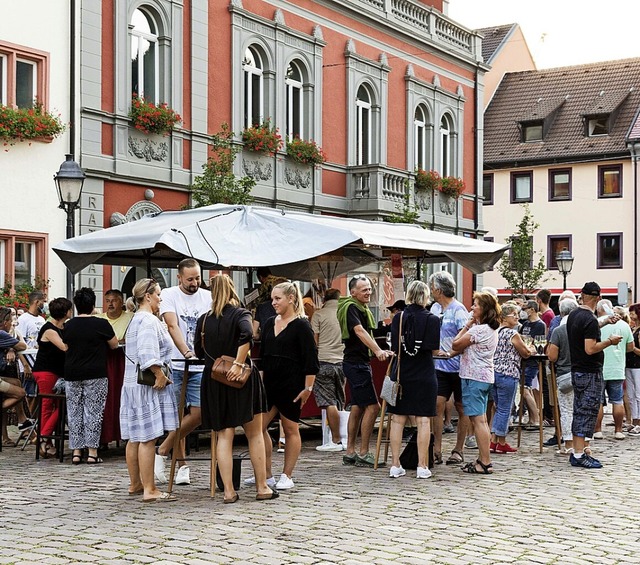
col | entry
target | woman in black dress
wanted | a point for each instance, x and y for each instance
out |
(227, 330)
(420, 339)
(290, 362)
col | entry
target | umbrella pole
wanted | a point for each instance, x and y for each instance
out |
(147, 254)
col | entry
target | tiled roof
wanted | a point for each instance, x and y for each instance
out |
(606, 87)
(494, 37)
(634, 131)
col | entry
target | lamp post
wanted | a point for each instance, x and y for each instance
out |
(69, 182)
(564, 261)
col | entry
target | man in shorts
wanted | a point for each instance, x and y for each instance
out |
(328, 387)
(356, 324)
(587, 359)
(453, 316)
(180, 308)
(613, 369)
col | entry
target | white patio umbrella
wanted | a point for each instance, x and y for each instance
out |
(251, 236)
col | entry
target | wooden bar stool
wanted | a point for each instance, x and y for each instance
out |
(381, 430)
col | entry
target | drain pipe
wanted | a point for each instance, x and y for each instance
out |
(633, 148)
(72, 79)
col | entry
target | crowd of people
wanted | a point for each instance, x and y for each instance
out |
(439, 353)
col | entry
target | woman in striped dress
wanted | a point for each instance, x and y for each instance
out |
(146, 412)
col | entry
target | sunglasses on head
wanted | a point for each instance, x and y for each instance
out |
(151, 283)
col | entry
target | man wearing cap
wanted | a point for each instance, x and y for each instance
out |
(583, 332)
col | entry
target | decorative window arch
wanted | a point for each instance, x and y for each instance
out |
(421, 133)
(364, 124)
(447, 146)
(145, 55)
(253, 67)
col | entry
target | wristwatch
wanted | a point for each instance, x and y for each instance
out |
(309, 388)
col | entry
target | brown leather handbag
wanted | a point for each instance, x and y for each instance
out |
(222, 365)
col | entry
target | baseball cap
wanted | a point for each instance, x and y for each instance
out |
(591, 289)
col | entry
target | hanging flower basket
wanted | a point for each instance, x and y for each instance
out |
(264, 138)
(148, 117)
(451, 186)
(305, 152)
(427, 180)
(20, 124)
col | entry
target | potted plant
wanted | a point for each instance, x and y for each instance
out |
(263, 138)
(148, 117)
(427, 180)
(305, 152)
(20, 124)
(451, 186)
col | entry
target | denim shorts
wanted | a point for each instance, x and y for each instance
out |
(475, 395)
(360, 381)
(530, 373)
(193, 388)
(614, 390)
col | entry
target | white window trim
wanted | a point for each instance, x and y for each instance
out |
(3, 83)
(361, 108)
(292, 85)
(151, 38)
(420, 133)
(446, 149)
(249, 71)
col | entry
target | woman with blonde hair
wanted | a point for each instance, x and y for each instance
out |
(477, 342)
(414, 349)
(226, 330)
(146, 412)
(290, 363)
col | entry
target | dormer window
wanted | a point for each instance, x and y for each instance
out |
(532, 131)
(597, 125)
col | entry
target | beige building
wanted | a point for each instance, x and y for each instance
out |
(561, 141)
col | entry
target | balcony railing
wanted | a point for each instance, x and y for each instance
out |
(376, 181)
(421, 21)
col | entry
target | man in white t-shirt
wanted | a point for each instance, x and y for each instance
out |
(180, 308)
(29, 325)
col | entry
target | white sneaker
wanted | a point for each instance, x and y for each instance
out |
(271, 482)
(284, 483)
(423, 473)
(396, 472)
(619, 435)
(635, 431)
(182, 476)
(330, 447)
(281, 443)
(158, 469)
(598, 435)
(471, 443)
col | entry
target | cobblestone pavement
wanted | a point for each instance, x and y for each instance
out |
(535, 508)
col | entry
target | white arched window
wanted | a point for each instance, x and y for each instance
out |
(144, 56)
(364, 101)
(253, 67)
(446, 147)
(420, 137)
(295, 102)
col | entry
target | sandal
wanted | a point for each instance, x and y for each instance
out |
(10, 443)
(77, 459)
(437, 458)
(455, 458)
(91, 460)
(472, 468)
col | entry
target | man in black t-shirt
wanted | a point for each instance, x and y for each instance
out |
(356, 323)
(583, 332)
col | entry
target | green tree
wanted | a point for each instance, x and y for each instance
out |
(520, 268)
(218, 184)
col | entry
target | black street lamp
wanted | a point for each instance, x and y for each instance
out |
(69, 182)
(564, 260)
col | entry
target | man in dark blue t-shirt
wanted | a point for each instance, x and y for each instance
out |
(356, 324)
(583, 332)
